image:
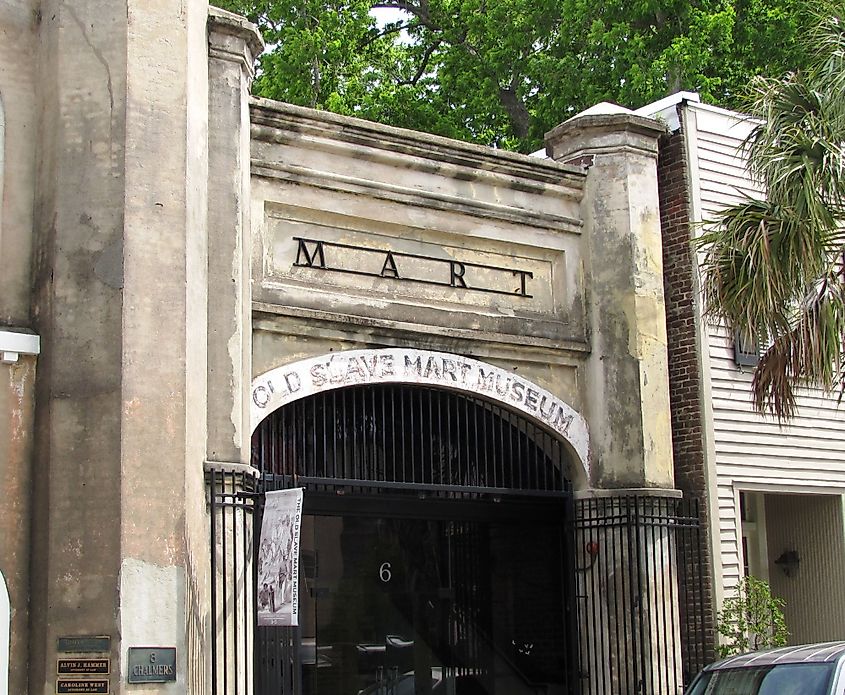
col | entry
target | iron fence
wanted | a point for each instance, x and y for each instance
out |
(640, 587)
(638, 591)
(404, 438)
(232, 501)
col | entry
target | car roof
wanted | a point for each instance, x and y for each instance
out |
(801, 654)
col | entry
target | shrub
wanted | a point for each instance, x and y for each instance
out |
(751, 620)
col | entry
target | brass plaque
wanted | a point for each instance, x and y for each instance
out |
(68, 667)
(94, 685)
(152, 664)
(90, 643)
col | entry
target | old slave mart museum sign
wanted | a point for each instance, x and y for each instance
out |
(393, 365)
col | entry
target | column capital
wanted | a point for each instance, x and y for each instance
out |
(629, 492)
(233, 38)
(233, 467)
(604, 133)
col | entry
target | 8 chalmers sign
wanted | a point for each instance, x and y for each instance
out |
(359, 367)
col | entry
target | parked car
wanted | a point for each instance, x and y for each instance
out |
(809, 669)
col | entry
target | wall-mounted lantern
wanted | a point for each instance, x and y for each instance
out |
(789, 562)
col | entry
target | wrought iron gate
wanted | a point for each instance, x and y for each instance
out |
(467, 469)
(487, 491)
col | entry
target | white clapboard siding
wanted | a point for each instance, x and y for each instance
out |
(753, 451)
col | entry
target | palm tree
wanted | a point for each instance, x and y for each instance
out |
(774, 268)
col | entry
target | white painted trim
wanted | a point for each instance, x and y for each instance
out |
(666, 109)
(291, 382)
(737, 534)
(736, 115)
(22, 343)
(666, 102)
(762, 537)
(785, 487)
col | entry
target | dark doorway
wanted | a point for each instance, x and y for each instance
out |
(436, 553)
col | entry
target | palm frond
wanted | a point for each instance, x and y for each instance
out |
(828, 38)
(758, 261)
(810, 352)
(773, 267)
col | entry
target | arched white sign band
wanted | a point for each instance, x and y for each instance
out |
(301, 379)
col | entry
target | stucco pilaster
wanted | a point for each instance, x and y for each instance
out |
(120, 533)
(233, 45)
(628, 407)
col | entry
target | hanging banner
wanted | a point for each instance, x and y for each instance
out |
(278, 559)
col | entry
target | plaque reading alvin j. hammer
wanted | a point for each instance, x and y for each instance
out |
(152, 664)
(77, 667)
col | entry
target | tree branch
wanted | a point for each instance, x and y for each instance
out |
(388, 30)
(423, 66)
(420, 11)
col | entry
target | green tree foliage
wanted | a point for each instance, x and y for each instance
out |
(751, 619)
(774, 266)
(503, 72)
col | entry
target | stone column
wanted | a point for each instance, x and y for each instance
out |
(233, 46)
(628, 383)
(120, 531)
(630, 582)
(626, 552)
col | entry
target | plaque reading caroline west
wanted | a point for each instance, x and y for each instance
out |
(95, 685)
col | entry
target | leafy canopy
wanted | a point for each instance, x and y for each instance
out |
(503, 72)
(774, 267)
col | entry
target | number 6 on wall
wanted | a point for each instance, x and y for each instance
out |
(384, 572)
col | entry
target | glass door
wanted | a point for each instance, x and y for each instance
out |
(375, 607)
(416, 606)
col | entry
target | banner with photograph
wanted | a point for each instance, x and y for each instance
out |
(278, 558)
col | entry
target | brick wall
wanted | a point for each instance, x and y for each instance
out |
(684, 363)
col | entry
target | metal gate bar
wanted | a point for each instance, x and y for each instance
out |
(383, 442)
(398, 435)
(640, 585)
(395, 440)
(232, 502)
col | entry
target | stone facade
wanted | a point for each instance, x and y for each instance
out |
(179, 246)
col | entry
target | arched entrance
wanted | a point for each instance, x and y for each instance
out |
(436, 552)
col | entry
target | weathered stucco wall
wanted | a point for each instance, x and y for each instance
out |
(120, 536)
(18, 64)
(18, 61)
(627, 375)
(499, 222)
(17, 386)
(358, 230)
(178, 242)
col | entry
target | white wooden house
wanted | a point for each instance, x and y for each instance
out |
(775, 492)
